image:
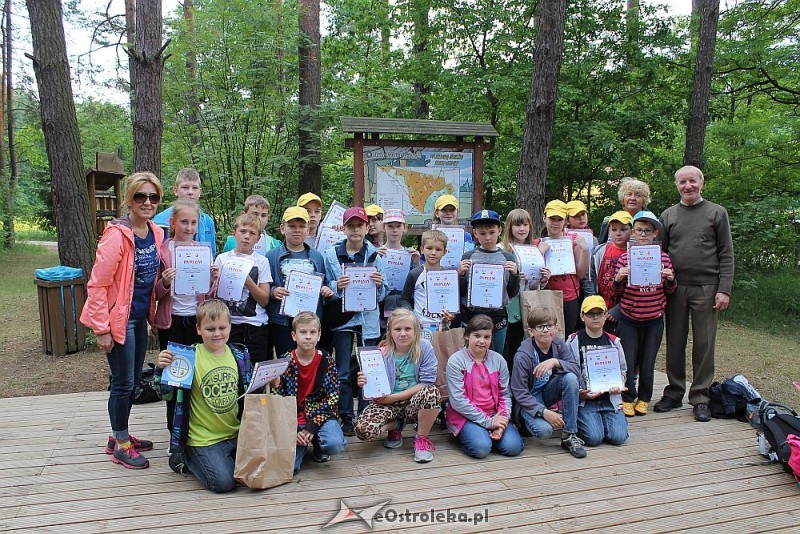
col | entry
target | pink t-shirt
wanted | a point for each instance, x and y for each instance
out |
(482, 395)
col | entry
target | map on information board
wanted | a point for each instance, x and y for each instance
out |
(411, 179)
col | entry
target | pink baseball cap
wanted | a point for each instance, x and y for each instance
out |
(355, 212)
(394, 215)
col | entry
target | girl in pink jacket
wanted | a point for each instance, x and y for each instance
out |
(120, 301)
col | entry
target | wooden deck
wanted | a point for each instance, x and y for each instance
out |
(673, 474)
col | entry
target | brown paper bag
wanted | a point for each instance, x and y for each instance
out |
(445, 343)
(542, 298)
(266, 449)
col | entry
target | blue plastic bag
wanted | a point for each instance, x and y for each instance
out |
(58, 273)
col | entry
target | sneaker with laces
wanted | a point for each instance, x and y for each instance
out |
(423, 449)
(129, 458)
(641, 407)
(574, 445)
(348, 429)
(627, 409)
(140, 445)
(394, 440)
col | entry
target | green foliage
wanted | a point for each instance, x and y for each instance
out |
(767, 299)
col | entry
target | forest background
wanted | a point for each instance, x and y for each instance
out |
(623, 103)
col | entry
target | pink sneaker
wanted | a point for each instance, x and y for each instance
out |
(128, 457)
(423, 448)
(140, 445)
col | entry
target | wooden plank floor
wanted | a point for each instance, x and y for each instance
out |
(673, 474)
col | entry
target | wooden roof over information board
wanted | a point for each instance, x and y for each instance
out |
(375, 125)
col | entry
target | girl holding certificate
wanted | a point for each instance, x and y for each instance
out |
(175, 315)
(518, 232)
(411, 367)
(641, 321)
(555, 218)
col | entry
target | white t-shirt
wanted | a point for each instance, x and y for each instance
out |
(246, 310)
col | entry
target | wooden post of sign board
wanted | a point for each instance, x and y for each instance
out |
(477, 175)
(358, 170)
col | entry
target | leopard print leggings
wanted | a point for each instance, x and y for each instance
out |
(371, 421)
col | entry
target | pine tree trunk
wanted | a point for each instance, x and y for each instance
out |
(310, 94)
(130, 38)
(76, 234)
(701, 86)
(148, 64)
(12, 136)
(540, 112)
(422, 28)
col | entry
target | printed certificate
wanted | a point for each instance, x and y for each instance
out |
(455, 246)
(645, 264)
(530, 262)
(265, 372)
(603, 371)
(261, 245)
(559, 258)
(326, 237)
(485, 288)
(193, 269)
(303, 294)
(441, 289)
(374, 368)
(232, 276)
(335, 215)
(396, 266)
(361, 294)
(588, 238)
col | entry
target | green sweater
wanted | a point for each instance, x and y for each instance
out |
(698, 240)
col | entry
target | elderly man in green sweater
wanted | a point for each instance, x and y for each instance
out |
(697, 237)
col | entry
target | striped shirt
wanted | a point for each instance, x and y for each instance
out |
(643, 303)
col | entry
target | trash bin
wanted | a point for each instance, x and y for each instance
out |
(62, 294)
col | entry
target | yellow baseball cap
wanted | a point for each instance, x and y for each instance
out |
(621, 216)
(295, 212)
(574, 207)
(593, 303)
(446, 200)
(308, 197)
(373, 210)
(556, 208)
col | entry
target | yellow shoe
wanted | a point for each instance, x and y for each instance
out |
(627, 409)
(641, 407)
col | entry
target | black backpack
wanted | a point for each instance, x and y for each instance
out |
(775, 423)
(144, 392)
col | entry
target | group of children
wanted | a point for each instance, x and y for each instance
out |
(500, 387)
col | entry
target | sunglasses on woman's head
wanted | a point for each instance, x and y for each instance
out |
(140, 198)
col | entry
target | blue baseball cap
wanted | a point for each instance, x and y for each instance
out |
(486, 216)
(648, 216)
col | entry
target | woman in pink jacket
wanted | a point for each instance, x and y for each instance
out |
(120, 302)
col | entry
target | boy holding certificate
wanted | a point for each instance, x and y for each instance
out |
(187, 187)
(546, 371)
(353, 251)
(206, 424)
(293, 255)
(599, 416)
(258, 206)
(486, 225)
(246, 301)
(605, 257)
(313, 205)
(431, 307)
(641, 320)
(312, 378)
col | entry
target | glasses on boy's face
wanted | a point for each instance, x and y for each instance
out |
(594, 315)
(643, 231)
(545, 327)
(141, 198)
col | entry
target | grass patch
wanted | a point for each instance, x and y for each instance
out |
(30, 231)
(767, 300)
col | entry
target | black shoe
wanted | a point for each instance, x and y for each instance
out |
(666, 404)
(347, 427)
(702, 413)
(574, 445)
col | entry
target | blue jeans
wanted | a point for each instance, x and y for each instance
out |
(563, 387)
(598, 421)
(213, 465)
(476, 442)
(343, 349)
(125, 362)
(329, 439)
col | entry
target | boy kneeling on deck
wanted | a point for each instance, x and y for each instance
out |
(206, 422)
